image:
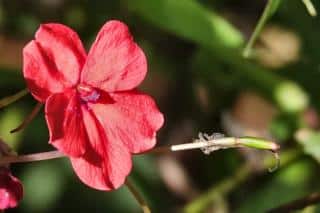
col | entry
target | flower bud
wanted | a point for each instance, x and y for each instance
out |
(11, 190)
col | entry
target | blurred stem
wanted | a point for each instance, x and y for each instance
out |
(220, 143)
(227, 185)
(262, 21)
(28, 119)
(298, 204)
(10, 99)
(31, 157)
(311, 9)
(143, 204)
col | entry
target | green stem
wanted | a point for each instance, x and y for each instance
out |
(311, 9)
(218, 191)
(262, 21)
(143, 204)
(227, 185)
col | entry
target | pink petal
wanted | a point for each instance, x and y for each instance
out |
(65, 123)
(53, 61)
(115, 62)
(132, 119)
(106, 163)
(11, 190)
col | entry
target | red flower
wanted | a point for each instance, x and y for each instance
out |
(11, 191)
(93, 113)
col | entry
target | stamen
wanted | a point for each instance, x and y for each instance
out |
(88, 93)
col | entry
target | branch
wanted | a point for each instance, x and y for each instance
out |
(298, 204)
(31, 157)
(143, 204)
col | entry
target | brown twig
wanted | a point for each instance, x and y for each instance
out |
(144, 206)
(10, 99)
(298, 204)
(31, 157)
(157, 150)
(28, 119)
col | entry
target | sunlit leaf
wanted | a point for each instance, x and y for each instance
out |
(310, 141)
(190, 20)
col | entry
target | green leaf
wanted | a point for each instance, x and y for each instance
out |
(274, 5)
(310, 142)
(190, 20)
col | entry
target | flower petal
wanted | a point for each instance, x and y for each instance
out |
(11, 190)
(133, 119)
(115, 62)
(65, 123)
(106, 163)
(65, 48)
(53, 61)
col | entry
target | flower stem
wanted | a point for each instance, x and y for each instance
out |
(298, 204)
(311, 9)
(210, 144)
(31, 157)
(268, 11)
(28, 119)
(10, 99)
(143, 204)
(221, 143)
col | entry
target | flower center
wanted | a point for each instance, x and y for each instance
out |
(88, 93)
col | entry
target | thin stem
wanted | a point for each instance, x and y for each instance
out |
(210, 144)
(262, 21)
(31, 157)
(10, 99)
(158, 150)
(219, 190)
(28, 119)
(298, 204)
(143, 204)
(213, 144)
(229, 142)
(311, 9)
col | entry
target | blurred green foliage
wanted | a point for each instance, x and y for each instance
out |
(197, 74)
